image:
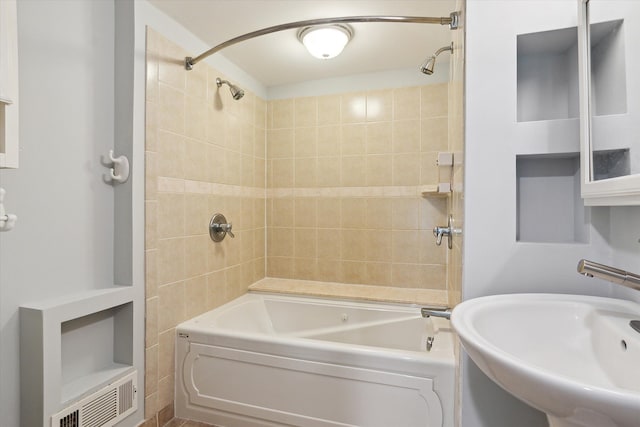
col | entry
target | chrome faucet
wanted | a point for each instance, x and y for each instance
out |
(614, 275)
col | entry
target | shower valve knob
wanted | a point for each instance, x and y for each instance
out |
(219, 228)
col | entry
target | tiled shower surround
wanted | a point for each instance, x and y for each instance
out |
(344, 179)
(321, 188)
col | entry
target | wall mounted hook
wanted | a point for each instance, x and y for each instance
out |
(119, 172)
(7, 221)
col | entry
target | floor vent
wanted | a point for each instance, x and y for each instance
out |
(104, 408)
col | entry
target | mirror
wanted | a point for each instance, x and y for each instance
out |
(609, 113)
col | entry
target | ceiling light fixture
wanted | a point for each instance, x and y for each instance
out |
(325, 41)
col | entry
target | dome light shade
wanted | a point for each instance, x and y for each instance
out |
(325, 42)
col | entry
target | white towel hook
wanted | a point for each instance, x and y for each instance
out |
(7, 221)
(119, 172)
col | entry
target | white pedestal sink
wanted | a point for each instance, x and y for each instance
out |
(576, 358)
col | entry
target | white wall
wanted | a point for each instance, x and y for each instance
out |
(494, 261)
(63, 242)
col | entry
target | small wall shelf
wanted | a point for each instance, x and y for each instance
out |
(549, 207)
(71, 346)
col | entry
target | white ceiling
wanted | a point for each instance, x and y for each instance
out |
(280, 59)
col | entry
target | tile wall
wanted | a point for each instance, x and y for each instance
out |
(321, 188)
(205, 153)
(344, 179)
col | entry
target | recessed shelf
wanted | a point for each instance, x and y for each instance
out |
(94, 347)
(549, 207)
(547, 73)
(71, 346)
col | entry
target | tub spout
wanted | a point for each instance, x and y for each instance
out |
(445, 313)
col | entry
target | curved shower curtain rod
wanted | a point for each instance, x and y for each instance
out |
(451, 21)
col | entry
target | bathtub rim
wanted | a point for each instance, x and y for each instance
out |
(395, 360)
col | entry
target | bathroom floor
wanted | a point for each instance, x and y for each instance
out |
(177, 422)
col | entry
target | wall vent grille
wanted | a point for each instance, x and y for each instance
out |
(104, 408)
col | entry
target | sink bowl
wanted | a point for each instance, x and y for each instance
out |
(574, 357)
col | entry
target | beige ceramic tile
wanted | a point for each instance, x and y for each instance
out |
(305, 212)
(406, 103)
(429, 173)
(328, 245)
(406, 169)
(353, 245)
(171, 152)
(434, 134)
(282, 212)
(353, 139)
(280, 242)
(283, 113)
(196, 117)
(305, 242)
(329, 212)
(353, 211)
(379, 138)
(405, 246)
(434, 100)
(378, 273)
(282, 173)
(170, 306)
(328, 172)
(170, 260)
(354, 272)
(305, 268)
(171, 64)
(329, 140)
(379, 170)
(151, 175)
(405, 213)
(329, 110)
(379, 106)
(171, 109)
(379, 213)
(151, 273)
(166, 350)
(305, 173)
(406, 136)
(165, 392)
(353, 108)
(305, 142)
(151, 370)
(196, 255)
(170, 215)
(280, 143)
(151, 125)
(151, 322)
(195, 291)
(353, 171)
(151, 224)
(378, 246)
(306, 112)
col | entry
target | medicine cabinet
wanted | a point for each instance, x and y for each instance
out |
(609, 85)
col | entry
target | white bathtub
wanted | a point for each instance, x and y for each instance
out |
(272, 360)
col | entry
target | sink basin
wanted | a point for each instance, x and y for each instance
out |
(573, 357)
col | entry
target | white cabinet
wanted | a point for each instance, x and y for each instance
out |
(609, 105)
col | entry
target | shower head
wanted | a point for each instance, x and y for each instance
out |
(236, 92)
(427, 66)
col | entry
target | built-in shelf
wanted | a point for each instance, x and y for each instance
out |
(435, 190)
(71, 346)
(549, 206)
